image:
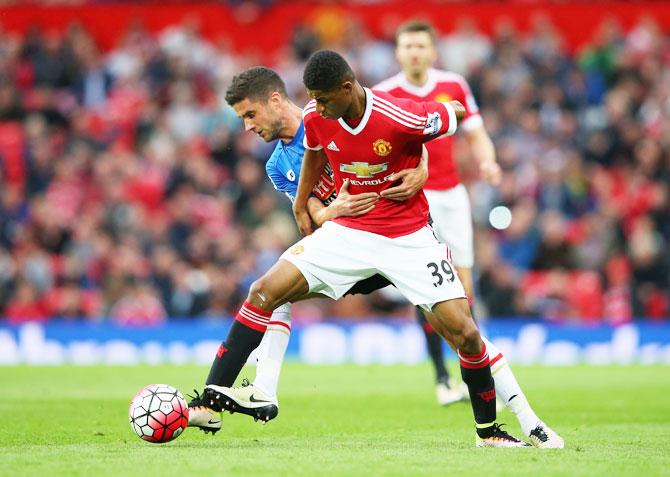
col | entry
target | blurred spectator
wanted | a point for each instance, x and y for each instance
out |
(94, 81)
(554, 250)
(651, 270)
(465, 49)
(496, 287)
(519, 243)
(128, 192)
(25, 305)
(617, 298)
(138, 305)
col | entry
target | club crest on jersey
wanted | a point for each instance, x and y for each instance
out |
(382, 147)
(297, 249)
(433, 124)
(364, 169)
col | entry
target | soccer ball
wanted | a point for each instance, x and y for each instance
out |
(158, 413)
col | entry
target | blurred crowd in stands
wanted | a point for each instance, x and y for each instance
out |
(129, 192)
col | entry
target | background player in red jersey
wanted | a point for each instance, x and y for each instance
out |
(447, 197)
(450, 206)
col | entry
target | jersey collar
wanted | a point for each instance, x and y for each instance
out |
(364, 120)
(420, 91)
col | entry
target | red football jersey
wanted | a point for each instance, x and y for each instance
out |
(441, 86)
(388, 138)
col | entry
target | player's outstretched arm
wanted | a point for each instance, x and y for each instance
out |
(345, 204)
(411, 180)
(485, 154)
(310, 171)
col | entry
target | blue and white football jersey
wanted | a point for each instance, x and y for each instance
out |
(283, 169)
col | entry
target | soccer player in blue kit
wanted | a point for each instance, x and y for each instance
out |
(279, 118)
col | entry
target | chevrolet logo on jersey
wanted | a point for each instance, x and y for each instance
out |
(364, 169)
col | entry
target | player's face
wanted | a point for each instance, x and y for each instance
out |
(260, 117)
(332, 104)
(415, 52)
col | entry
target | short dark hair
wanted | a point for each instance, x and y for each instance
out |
(326, 70)
(254, 83)
(413, 26)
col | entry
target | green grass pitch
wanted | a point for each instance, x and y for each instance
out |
(340, 420)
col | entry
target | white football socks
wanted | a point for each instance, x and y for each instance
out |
(270, 353)
(508, 389)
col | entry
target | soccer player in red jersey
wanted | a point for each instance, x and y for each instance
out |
(366, 136)
(258, 96)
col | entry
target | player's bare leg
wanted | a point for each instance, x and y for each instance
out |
(447, 389)
(281, 284)
(452, 318)
(465, 276)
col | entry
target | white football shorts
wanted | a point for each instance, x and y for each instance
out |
(452, 222)
(335, 257)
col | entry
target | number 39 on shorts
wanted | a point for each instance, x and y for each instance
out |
(438, 271)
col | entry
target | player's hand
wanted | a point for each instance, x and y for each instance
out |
(411, 182)
(491, 172)
(303, 220)
(352, 205)
(459, 109)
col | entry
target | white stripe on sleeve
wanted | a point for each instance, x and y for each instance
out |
(453, 122)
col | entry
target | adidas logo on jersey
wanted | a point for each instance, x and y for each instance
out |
(332, 146)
